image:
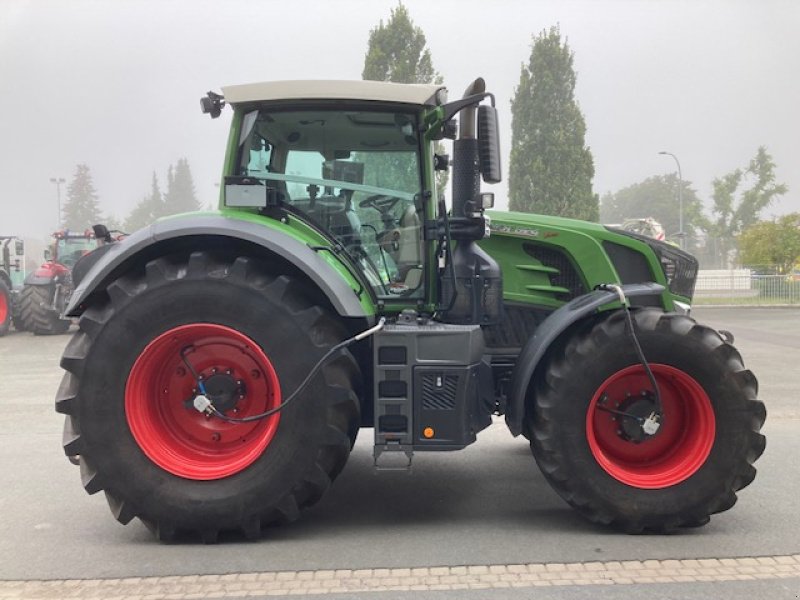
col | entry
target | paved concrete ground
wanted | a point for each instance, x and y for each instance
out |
(486, 507)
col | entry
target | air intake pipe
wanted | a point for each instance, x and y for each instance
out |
(473, 287)
(466, 157)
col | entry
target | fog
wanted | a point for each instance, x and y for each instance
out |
(117, 84)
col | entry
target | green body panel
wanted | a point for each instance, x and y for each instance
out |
(300, 231)
(526, 280)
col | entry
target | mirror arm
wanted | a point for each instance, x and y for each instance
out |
(452, 108)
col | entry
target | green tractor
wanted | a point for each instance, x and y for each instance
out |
(12, 274)
(225, 361)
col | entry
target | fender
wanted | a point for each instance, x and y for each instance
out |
(106, 263)
(40, 277)
(552, 327)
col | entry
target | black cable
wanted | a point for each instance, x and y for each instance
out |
(211, 409)
(636, 345)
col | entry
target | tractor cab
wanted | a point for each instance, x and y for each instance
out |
(67, 247)
(352, 175)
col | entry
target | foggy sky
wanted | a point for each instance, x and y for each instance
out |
(116, 84)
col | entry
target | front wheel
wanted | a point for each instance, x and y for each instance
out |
(37, 313)
(587, 408)
(133, 370)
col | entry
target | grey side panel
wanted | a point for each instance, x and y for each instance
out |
(552, 327)
(308, 261)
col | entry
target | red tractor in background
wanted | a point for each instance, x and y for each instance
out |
(46, 290)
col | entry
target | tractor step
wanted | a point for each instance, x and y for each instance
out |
(395, 451)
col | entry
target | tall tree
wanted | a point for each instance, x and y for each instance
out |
(149, 208)
(772, 243)
(180, 194)
(735, 210)
(82, 209)
(397, 52)
(551, 167)
(656, 197)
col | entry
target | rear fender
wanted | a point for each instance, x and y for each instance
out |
(111, 261)
(548, 332)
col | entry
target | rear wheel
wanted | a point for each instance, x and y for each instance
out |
(595, 454)
(252, 337)
(5, 308)
(36, 312)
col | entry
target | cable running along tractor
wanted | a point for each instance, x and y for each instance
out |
(226, 360)
(46, 290)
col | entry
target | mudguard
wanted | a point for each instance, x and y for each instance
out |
(552, 327)
(107, 263)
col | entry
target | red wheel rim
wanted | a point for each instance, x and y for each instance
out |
(3, 308)
(182, 440)
(682, 443)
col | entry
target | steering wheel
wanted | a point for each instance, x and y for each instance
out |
(380, 202)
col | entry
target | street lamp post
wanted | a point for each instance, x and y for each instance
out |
(681, 234)
(58, 181)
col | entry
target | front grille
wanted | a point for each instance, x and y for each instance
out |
(567, 276)
(680, 268)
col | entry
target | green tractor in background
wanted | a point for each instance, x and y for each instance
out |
(12, 274)
(226, 360)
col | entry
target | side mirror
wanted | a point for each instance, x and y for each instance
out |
(20, 249)
(489, 144)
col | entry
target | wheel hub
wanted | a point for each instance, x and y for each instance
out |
(636, 409)
(224, 391)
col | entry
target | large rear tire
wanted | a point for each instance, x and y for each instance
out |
(6, 308)
(159, 459)
(696, 462)
(36, 314)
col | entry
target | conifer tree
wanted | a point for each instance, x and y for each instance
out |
(551, 168)
(82, 208)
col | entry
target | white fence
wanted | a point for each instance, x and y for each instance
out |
(745, 286)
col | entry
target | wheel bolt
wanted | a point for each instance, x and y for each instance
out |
(216, 436)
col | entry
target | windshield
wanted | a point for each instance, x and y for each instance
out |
(69, 250)
(354, 174)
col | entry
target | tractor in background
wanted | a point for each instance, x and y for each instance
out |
(12, 274)
(46, 291)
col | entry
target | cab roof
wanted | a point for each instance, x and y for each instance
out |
(379, 91)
